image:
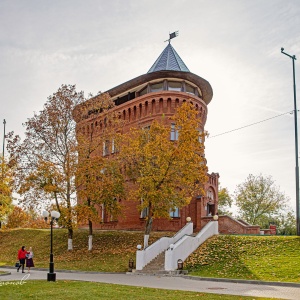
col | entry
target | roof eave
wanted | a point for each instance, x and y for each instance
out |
(204, 85)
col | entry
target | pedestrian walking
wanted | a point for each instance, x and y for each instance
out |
(21, 257)
(29, 259)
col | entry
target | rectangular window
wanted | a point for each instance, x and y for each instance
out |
(102, 213)
(175, 86)
(106, 148)
(144, 91)
(145, 211)
(174, 213)
(190, 89)
(156, 87)
(174, 133)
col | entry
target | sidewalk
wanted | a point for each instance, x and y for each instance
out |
(186, 283)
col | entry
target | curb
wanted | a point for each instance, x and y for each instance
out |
(273, 283)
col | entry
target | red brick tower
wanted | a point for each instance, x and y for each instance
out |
(143, 99)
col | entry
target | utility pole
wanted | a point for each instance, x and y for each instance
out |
(4, 122)
(2, 161)
(293, 57)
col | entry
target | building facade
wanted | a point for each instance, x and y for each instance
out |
(139, 102)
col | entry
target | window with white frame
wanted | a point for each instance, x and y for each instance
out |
(106, 148)
(174, 133)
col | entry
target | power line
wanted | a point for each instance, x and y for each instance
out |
(289, 112)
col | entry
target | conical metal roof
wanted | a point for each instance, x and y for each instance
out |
(169, 60)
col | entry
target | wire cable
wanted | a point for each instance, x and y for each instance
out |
(289, 112)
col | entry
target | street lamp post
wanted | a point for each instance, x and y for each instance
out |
(293, 57)
(54, 216)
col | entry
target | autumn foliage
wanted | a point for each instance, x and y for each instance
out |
(45, 160)
(6, 182)
(166, 173)
(99, 180)
(19, 218)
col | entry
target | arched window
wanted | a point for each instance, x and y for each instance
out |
(153, 106)
(161, 101)
(140, 110)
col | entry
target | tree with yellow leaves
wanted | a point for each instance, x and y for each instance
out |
(46, 159)
(166, 173)
(99, 180)
(6, 180)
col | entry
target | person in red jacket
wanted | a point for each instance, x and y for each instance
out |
(21, 257)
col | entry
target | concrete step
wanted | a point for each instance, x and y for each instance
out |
(156, 265)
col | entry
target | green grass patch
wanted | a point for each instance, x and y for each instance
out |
(64, 290)
(268, 258)
(111, 249)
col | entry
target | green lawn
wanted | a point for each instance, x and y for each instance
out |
(269, 258)
(111, 249)
(64, 290)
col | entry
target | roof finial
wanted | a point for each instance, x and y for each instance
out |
(172, 36)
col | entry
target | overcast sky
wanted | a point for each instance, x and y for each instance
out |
(99, 44)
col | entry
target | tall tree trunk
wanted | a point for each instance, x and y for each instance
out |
(69, 220)
(90, 235)
(70, 239)
(90, 243)
(148, 227)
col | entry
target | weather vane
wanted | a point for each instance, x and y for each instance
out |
(172, 36)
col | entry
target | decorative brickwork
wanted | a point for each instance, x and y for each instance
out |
(139, 105)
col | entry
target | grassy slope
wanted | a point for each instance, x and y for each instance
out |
(270, 258)
(245, 257)
(111, 249)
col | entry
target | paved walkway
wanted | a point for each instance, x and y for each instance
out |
(185, 283)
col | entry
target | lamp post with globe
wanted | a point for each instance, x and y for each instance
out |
(54, 217)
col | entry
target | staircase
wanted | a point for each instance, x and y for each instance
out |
(156, 266)
(162, 257)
